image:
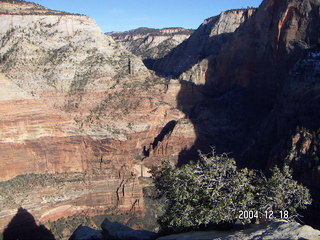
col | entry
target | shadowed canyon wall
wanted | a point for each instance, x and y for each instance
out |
(205, 41)
(260, 86)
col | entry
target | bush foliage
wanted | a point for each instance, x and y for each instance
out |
(212, 190)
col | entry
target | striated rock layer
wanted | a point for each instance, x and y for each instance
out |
(149, 43)
(74, 102)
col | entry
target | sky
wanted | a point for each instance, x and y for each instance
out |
(122, 15)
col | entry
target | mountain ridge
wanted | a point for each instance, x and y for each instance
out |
(151, 42)
(205, 41)
(19, 7)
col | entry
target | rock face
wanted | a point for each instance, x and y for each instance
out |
(205, 41)
(53, 74)
(260, 69)
(279, 68)
(119, 231)
(150, 43)
(276, 230)
(265, 74)
(25, 8)
(86, 233)
(79, 111)
(282, 32)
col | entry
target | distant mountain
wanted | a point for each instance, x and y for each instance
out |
(150, 42)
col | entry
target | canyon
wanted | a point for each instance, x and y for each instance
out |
(85, 115)
(260, 78)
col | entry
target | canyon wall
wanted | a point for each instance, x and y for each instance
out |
(265, 48)
(150, 43)
(188, 60)
(258, 70)
(74, 102)
(266, 79)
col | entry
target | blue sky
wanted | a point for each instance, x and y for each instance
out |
(121, 15)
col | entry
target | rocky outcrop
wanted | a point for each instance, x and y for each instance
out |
(16, 7)
(115, 230)
(150, 43)
(204, 42)
(276, 230)
(86, 233)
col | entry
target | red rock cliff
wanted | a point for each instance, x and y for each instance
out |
(263, 50)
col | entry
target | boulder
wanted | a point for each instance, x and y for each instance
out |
(118, 231)
(86, 233)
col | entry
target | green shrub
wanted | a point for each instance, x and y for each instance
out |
(212, 191)
(281, 193)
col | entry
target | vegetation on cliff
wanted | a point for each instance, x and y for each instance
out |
(304, 148)
(212, 191)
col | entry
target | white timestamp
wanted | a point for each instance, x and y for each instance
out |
(251, 214)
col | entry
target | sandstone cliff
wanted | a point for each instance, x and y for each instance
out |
(205, 41)
(260, 71)
(263, 84)
(151, 43)
(264, 49)
(74, 101)
(279, 69)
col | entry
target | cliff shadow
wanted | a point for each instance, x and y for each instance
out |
(24, 227)
(223, 121)
(168, 128)
(188, 53)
